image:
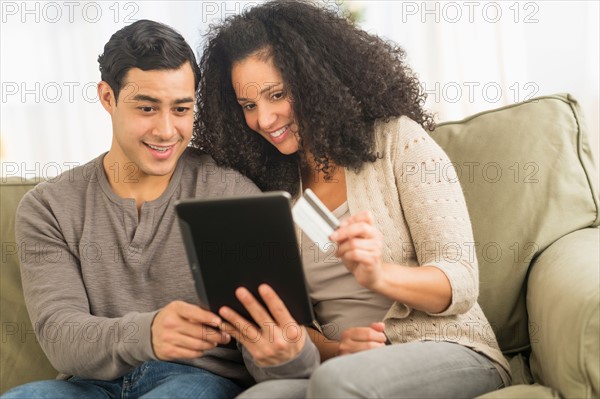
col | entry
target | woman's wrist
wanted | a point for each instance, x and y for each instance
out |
(384, 285)
(328, 348)
(424, 288)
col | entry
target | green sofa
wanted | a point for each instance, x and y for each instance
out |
(531, 187)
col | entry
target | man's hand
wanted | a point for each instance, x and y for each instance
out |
(184, 331)
(273, 341)
(359, 339)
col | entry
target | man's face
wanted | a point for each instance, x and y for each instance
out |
(152, 120)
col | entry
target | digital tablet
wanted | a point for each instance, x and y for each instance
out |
(244, 241)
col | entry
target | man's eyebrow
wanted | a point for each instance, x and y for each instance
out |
(184, 100)
(144, 97)
(261, 92)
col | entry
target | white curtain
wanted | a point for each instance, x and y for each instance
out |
(471, 56)
(477, 55)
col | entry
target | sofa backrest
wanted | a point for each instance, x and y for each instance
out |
(529, 178)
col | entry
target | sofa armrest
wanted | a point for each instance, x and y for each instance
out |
(563, 300)
(21, 357)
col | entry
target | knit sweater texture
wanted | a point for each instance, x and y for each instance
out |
(95, 271)
(416, 200)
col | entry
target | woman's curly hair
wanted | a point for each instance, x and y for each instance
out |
(340, 80)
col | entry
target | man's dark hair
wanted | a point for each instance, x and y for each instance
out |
(147, 45)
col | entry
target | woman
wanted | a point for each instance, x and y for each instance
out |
(295, 97)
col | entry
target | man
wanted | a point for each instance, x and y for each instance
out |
(105, 277)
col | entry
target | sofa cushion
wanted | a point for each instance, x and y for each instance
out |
(21, 359)
(522, 391)
(529, 178)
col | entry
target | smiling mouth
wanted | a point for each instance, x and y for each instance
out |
(278, 132)
(160, 148)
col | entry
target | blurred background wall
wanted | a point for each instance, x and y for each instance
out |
(470, 56)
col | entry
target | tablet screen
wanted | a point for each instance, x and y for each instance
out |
(244, 241)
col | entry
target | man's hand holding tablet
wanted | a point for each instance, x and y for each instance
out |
(246, 264)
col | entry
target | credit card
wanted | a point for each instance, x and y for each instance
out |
(313, 217)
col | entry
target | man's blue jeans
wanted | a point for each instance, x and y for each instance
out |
(153, 379)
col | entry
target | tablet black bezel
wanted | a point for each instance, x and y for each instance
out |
(244, 241)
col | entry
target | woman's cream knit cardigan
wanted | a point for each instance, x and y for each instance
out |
(417, 203)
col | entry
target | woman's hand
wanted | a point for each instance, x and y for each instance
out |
(425, 288)
(359, 339)
(359, 247)
(272, 342)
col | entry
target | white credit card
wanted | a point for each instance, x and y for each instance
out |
(315, 219)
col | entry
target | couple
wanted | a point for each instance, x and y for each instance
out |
(292, 97)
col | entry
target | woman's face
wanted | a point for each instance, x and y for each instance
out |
(261, 93)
